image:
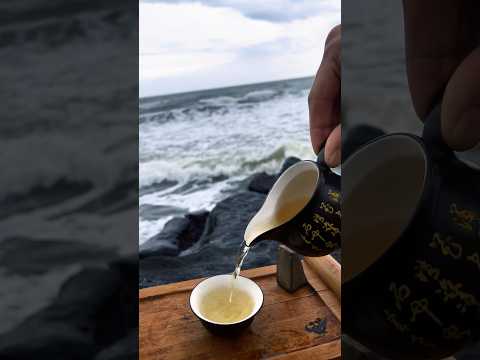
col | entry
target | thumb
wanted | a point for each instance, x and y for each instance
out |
(461, 105)
(333, 147)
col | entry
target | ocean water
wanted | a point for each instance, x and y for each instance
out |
(65, 191)
(195, 148)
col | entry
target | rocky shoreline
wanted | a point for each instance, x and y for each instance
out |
(93, 316)
(206, 243)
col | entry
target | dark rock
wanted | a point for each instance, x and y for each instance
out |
(287, 163)
(194, 230)
(229, 218)
(165, 242)
(120, 314)
(93, 310)
(213, 259)
(216, 251)
(178, 234)
(261, 182)
(66, 329)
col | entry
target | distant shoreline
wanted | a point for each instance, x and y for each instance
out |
(154, 97)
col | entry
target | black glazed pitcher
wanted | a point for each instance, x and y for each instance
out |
(302, 210)
(411, 274)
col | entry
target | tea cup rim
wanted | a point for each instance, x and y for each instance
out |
(255, 311)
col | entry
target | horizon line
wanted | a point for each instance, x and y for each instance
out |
(225, 87)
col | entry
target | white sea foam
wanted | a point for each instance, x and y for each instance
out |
(259, 95)
(206, 151)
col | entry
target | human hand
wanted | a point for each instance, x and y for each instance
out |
(324, 102)
(443, 56)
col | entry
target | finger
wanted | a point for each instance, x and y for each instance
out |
(324, 97)
(461, 105)
(333, 147)
(437, 39)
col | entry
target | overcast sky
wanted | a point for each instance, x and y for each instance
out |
(186, 46)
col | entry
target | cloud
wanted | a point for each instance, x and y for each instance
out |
(191, 46)
(270, 10)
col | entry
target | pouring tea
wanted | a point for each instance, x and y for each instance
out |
(302, 210)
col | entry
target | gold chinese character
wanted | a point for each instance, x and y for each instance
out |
(307, 227)
(326, 207)
(424, 270)
(475, 259)
(334, 195)
(318, 219)
(421, 306)
(392, 318)
(453, 332)
(463, 218)
(400, 293)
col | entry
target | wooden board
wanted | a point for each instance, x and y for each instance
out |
(169, 330)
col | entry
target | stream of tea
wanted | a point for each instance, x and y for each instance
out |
(238, 266)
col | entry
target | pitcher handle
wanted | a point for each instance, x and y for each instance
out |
(323, 165)
(321, 157)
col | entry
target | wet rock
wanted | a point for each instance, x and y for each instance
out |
(291, 160)
(66, 329)
(178, 234)
(213, 259)
(261, 182)
(93, 310)
(216, 251)
(165, 242)
(194, 230)
(227, 221)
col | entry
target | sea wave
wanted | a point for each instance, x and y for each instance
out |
(183, 171)
(57, 158)
(216, 105)
(258, 96)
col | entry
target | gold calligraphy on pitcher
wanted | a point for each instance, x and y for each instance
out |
(448, 289)
(462, 217)
(392, 318)
(454, 333)
(315, 234)
(327, 207)
(474, 258)
(400, 293)
(326, 225)
(446, 246)
(422, 306)
(334, 195)
(452, 249)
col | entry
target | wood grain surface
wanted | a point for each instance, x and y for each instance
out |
(169, 330)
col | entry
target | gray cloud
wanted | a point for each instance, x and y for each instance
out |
(270, 10)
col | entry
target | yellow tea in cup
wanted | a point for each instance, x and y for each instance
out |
(216, 306)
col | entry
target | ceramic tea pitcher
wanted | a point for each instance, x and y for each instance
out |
(411, 246)
(302, 210)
